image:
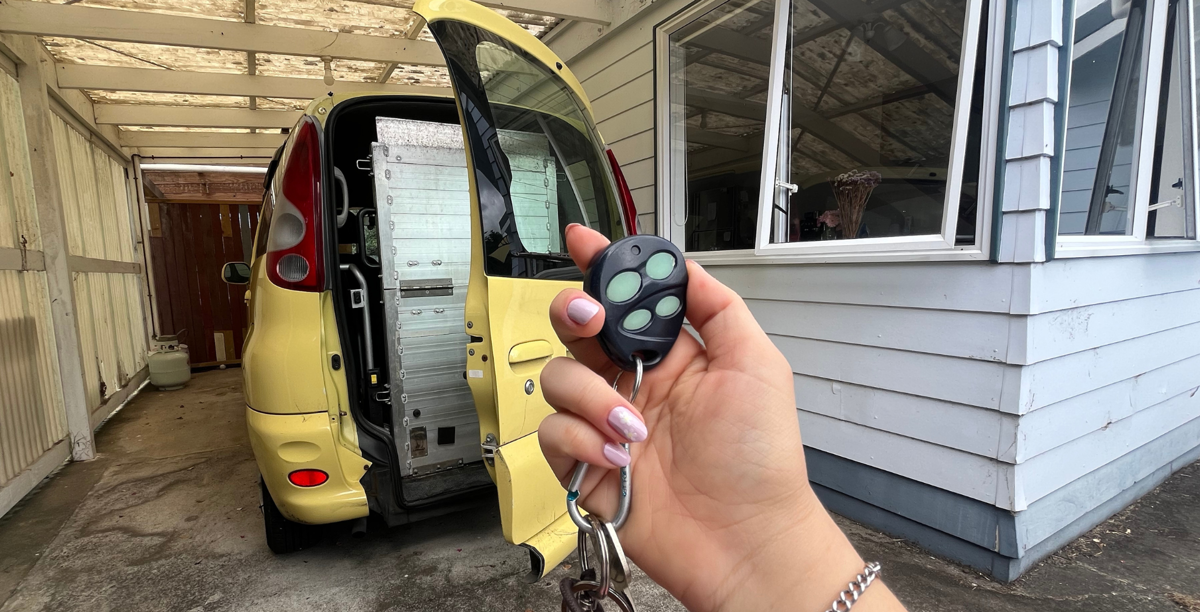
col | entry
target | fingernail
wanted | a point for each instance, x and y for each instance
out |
(625, 421)
(581, 311)
(617, 455)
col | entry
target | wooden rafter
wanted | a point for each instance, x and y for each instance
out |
(44, 19)
(183, 116)
(77, 76)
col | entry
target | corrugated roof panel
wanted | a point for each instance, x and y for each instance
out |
(300, 66)
(348, 17)
(142, 55)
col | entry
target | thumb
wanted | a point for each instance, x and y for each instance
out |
(731, 335)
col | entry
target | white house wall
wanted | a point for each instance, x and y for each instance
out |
(1057, 391)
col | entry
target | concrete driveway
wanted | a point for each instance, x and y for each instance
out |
(167, 519)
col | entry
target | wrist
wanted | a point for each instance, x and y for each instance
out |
(800, 560)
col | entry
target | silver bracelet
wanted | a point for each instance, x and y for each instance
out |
(846, 599)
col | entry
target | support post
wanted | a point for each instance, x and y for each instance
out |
(35, 104)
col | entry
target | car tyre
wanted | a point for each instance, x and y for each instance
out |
(284, 535)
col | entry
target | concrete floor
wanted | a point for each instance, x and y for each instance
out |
(167, 519)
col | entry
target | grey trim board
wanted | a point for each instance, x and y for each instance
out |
(1010, 24)
(977, 523)
(956, 527)
(1060, 127)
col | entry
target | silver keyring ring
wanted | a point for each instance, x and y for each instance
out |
(581, 469)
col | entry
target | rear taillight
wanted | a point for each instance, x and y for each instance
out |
(295, 259)
(627, 207)
(308, 478)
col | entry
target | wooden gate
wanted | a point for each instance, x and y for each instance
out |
(190, 242)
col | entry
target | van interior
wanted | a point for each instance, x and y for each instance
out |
(424, 432)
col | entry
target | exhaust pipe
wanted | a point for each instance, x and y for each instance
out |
(359, 528)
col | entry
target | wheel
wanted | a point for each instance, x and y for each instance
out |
(283, 535)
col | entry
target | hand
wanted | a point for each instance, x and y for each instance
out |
(722, 513)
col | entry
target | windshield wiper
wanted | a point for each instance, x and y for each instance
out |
(544, 256)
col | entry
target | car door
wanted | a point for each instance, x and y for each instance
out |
(536, 164)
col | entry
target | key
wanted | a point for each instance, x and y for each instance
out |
(642, 283)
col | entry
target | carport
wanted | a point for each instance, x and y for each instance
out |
(133, 135)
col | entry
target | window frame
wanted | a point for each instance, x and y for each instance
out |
(932, 247)
(1136, 243)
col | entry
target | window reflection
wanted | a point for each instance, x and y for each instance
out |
(1103, 106)
(719, 69)
(870, 94)
(1171, 210)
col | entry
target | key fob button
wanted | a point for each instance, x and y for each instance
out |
(667, 306)
(623, 287)
(660, 265)
(636, 320)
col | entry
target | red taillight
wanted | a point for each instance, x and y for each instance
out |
(295, 259)
(308, 478)
(627, 207)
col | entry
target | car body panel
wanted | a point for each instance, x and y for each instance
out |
(284, 443)
(510, 315)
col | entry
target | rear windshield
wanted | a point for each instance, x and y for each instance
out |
(538, 163)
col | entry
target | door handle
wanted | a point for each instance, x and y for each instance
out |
(529, 351)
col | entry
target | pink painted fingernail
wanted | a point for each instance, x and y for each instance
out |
(625, 421)
(617, 455)
(581, 311)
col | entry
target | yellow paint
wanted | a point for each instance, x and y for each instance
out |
(554, 543)
(283, 365)
(285, 443)
(523, 477)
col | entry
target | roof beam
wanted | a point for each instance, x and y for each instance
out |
(208, 155)
(907, 55)
(186, 116)
(717, 139)
(833, 134)
(79, 76)
(591, 11)
(201, 139)
(44, 19)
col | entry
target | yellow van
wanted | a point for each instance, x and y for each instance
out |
(408, 250)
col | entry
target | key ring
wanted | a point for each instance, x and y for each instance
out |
(603, 569)
(581, 469)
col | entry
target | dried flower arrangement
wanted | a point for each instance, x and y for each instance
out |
(852, 190)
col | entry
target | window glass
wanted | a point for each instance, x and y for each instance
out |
(1103, 106)
(870, 91)
(1171, 201)
(538, 163)
(719, 71)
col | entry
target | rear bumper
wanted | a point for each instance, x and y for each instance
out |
(284, 443)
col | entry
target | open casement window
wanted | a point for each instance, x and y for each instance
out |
(1129, 170)
(814, 90)
(881, 113)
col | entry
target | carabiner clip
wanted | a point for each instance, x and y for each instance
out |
(581, 471)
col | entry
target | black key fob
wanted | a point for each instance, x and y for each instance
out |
(642, 283)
